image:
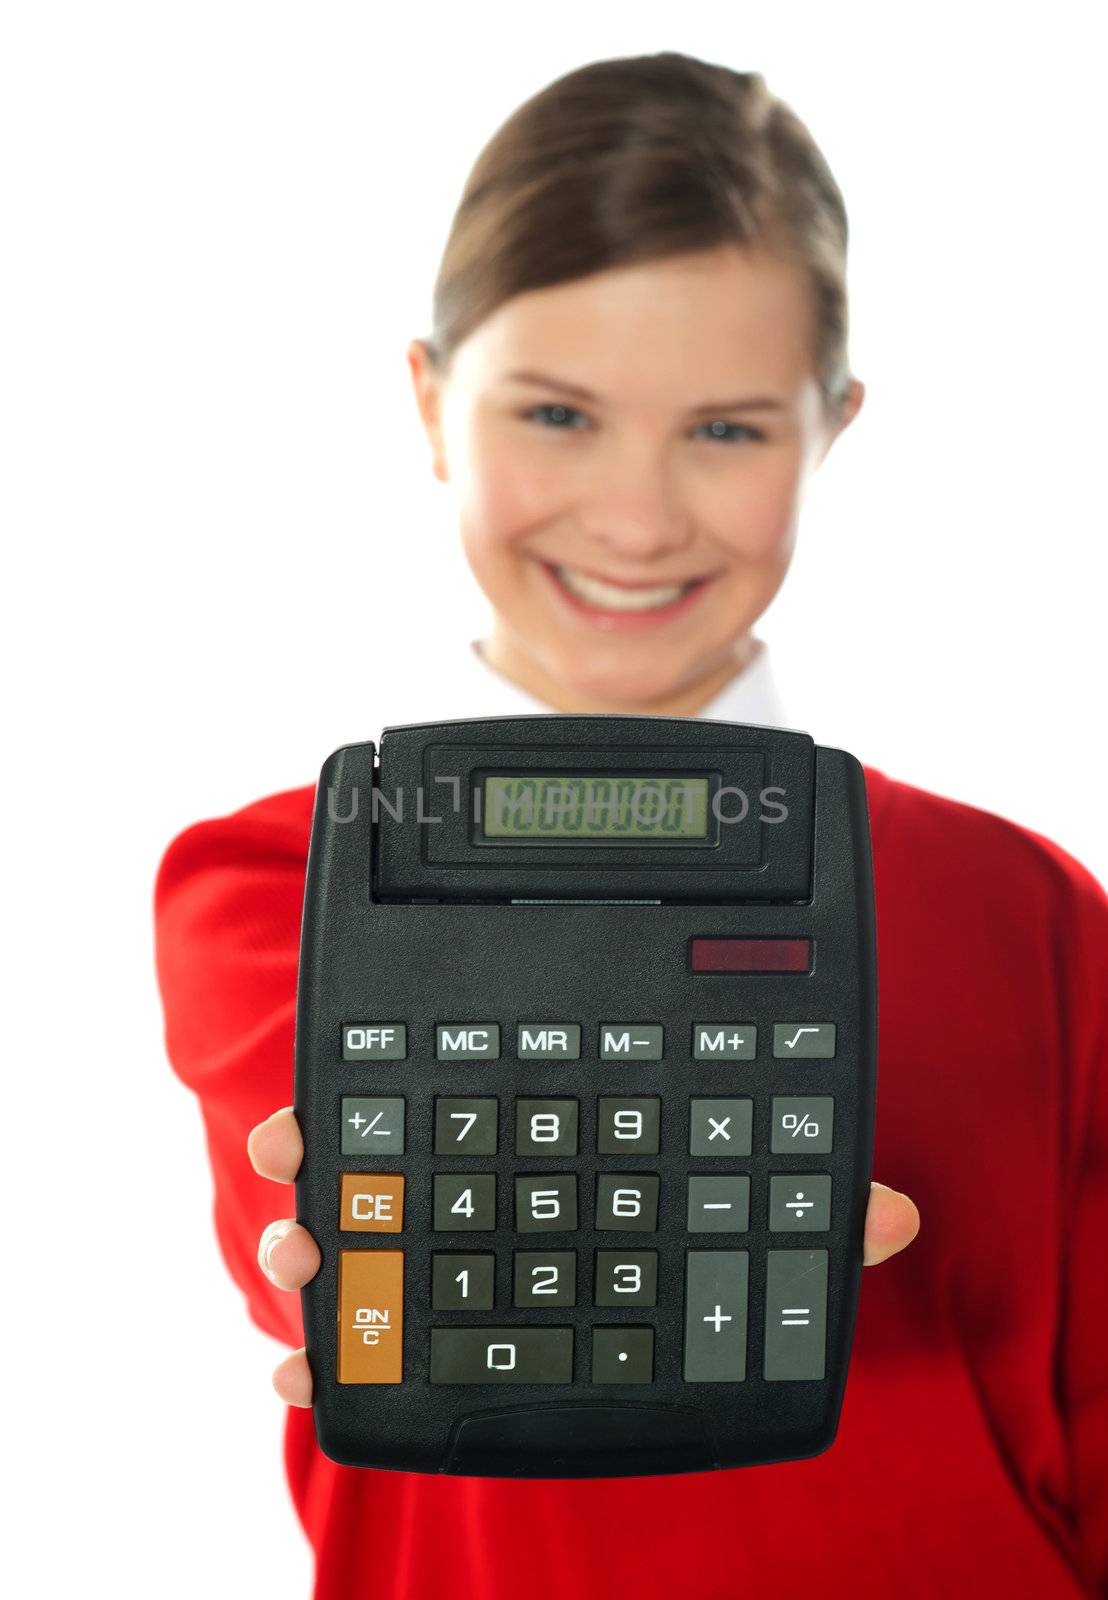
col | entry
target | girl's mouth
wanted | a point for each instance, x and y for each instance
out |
(620, 604)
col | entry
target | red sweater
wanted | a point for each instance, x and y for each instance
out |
(972, 1454)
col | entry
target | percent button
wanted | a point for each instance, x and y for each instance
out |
(802, 1124)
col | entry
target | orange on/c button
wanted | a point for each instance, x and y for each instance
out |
(371, 1316)
(372, 1202)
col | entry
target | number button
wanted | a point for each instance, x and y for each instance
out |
(465, 1201)
(545, 1278)
(626, 1278)
(546, 1127)
(546, 1203)
(501, 1355)
(628, 1126)
(627, 1201)
(462, 1283)
(465, 1126)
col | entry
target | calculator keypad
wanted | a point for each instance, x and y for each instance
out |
(714, 1132)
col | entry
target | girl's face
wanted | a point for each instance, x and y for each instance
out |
(629, 453)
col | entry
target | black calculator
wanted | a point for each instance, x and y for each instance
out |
(586, 1074)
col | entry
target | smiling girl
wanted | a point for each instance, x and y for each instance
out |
(638, 360)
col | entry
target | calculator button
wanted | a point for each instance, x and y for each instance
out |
(796, 1313)
(724, 1041)
(546, 1127)
(720, 1127)
(627, 1200)
(546, 1203)
(464, 1200)
(630, 1041)
(465, 1126)
(626, 1278)
(801, 1124)
(715, 1316)
(623, 1355)
(800, 1203)
(719, 1204)
(462, 1283)
(628, 1126)
(467, 1041)
(371, 1316)
(544, 1278)
(372, 1202)
(548, 1041)
(372, 1127)
(501, 1355)
(374, 1041)
(808, 1039)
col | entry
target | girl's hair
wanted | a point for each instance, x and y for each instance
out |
(633, 160)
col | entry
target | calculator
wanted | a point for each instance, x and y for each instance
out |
(585, 1068)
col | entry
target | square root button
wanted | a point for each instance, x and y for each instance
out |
(803, 1040)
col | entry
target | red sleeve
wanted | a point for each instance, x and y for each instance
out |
(1081, 953)
(227, 926)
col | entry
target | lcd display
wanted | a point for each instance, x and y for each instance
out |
(609, 807)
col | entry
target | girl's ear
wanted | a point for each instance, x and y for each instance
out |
(428, 398)
(847, 411)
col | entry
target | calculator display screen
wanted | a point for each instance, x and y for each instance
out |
(611, 807)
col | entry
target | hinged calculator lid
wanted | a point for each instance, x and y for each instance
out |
(745, 833)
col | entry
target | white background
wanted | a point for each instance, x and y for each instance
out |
(222, 225)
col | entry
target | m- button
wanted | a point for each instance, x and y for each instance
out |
(630, 1041)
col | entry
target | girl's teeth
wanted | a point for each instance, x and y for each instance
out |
(613, 598)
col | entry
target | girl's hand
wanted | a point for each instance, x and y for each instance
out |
(290, 1258)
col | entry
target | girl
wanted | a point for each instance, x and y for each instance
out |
(639, 357)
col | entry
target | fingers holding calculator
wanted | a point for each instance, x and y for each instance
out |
(290, 1258)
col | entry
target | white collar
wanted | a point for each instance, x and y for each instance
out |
(751, 696)
(453, 681)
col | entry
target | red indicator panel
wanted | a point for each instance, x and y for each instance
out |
(750, 955)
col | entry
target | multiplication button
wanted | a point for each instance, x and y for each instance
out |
(719, 1127)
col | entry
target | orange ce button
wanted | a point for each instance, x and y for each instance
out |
(372, 1202)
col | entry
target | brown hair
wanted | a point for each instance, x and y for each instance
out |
(632, 160)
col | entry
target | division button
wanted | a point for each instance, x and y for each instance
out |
(371, 1316)
(630, 1041)
(715, 1315)
(467, 1041)
(800, 1203)
(501, 1355)
(792, 1040)
(796, 1313)
(374, 1041)
(724, 1041)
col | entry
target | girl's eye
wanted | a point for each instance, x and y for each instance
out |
(725, 432)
